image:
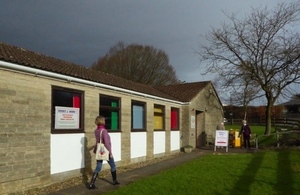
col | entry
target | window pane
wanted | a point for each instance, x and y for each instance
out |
(159, 117)
(138, 115)
(158, 110)
(174, 118)
(109, 108)
(158, 122)
(109, 101)
(66, 110)
(114, 120)
(62, 98)
(76, 101)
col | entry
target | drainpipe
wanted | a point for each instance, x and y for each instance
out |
(16, 67)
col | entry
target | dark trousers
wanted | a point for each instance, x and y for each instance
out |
(246, 139)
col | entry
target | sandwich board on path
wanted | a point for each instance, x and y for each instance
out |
(221, 139)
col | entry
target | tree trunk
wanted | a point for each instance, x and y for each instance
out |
(245, 111)
(268, 118)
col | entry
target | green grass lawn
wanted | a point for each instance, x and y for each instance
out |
(261, 173)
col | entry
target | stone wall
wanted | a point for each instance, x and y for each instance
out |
(25, 129)
(208, 113)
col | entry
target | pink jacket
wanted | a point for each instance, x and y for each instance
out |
(105, 137)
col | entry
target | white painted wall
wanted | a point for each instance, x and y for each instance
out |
(159, 142)
(138, 144)
(175, 140)
(115, 139)
(66, 152)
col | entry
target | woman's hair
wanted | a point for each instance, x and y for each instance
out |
(244, 121)
(100, 120)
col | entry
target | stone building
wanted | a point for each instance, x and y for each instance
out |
(47, 112)
(292, 108)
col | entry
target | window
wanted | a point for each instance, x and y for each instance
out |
(159, 117)
(138, 116)
(110, 109)
(174, 119)
(67, 110)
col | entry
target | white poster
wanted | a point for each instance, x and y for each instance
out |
(222, 138)
(66, 118)
(193, 122)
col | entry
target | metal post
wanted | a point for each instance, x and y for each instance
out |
(256, 142)
(277, 136)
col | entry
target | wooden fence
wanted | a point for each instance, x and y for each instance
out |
(277, 123)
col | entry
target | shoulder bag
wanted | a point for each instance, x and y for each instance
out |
(101, 153)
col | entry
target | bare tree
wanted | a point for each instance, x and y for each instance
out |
(263, 47)
(143, 64)
(240, 91)
(245, 93)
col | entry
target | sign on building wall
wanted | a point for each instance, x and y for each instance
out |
(193, 122)
(222, 139)
(66, 118)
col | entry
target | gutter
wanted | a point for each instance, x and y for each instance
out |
(17, 67)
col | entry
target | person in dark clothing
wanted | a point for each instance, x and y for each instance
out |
(246, 132)
(100, 123)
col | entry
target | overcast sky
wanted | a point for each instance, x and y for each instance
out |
(81, 31)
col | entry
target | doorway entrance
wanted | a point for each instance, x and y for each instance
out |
(200, 129)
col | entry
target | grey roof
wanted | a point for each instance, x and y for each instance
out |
(295, 100)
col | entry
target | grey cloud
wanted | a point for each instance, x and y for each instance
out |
(81, 31)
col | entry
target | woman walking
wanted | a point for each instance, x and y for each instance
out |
(105, 139)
